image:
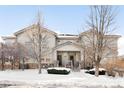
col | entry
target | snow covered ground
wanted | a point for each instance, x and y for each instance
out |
(31, 79)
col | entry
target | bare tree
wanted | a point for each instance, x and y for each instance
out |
(2, 53)
(5, 53)
(85, 41)
(100, 22)
(10, 53)
(38, 38)
(20, 51)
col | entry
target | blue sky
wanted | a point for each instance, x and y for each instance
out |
(63, 19)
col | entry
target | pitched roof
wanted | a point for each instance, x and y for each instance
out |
(90, 31)
(8, 37)
(30, 27)
(67, 43)
(68, 37)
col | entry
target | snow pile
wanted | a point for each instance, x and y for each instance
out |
(31, 78)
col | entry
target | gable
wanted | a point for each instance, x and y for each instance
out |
(32, 28)
(68, 46)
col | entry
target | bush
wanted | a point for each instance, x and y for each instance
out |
(58, 71)
(92, 72)
(111, 65)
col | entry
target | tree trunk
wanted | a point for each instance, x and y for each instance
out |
(23, 64)
(97, 70)
(39, 68)
(3, 61)
(12, 65)
(12, 62)
(2, 64)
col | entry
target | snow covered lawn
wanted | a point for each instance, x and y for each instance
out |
(31, 78)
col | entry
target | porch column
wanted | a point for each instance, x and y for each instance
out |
(65, 58)
(78, 56)
(81, 54)
(55, 55)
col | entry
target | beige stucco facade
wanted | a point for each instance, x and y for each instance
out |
(62, 48)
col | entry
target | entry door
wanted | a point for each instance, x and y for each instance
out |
(72, 59)
(59, 58)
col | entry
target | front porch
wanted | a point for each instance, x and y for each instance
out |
(68, 58)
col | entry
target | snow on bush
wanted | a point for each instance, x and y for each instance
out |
(102, 71)
(58, 70)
